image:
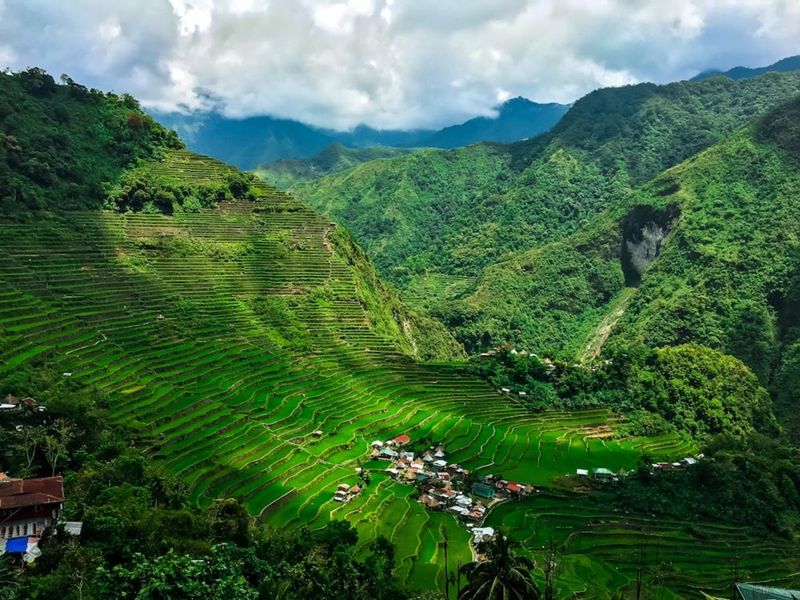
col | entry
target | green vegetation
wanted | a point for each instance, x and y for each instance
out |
(601, 551)
(692, 389)
(170, 185)
(285, 173)
(60, 144)
(722, 274)
(195, 350)
(143, 537)
(216, 358)
(458, 212)
(501, 576)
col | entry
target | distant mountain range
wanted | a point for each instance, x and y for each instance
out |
(249, 142)
(791, 63)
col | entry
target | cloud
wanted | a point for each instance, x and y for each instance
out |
(386, 63)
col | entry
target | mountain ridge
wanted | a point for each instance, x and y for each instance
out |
(251, 142)
(790, 63)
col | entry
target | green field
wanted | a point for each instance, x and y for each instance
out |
(605, 549)
(227, 336)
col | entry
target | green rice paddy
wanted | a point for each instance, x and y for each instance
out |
(227, 336)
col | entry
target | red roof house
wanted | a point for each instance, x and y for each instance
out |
(28, 506)
(401, 440)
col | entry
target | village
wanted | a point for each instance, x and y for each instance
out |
(448, 487)
(441, 486)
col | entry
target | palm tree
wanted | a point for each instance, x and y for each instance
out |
(502, 576)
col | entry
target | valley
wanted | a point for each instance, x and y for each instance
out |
(226, 337)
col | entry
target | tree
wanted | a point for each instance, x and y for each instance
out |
(503, 575)
(9, 580)
(31, 438)
(56, 442)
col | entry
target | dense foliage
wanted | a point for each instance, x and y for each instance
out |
(332, 159)
(61, 143)
(142, 538)
(751, 480)
(693, 389)
(458, 212)
(724, 276)
(141, 189)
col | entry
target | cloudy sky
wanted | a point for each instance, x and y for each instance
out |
(386, 63)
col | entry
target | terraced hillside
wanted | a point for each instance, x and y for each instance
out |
(675, 559)
(228, 336)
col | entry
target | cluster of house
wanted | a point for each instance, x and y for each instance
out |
(443, 485)
(28, 507)
(346, 492)
(13, 403)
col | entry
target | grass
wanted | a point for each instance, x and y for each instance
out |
(226, 392)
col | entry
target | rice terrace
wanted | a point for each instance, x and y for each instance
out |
(395, 300)
(174, 320)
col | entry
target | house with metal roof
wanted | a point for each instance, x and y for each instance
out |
(748, 591)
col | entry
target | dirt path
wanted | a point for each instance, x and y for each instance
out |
(599, 336)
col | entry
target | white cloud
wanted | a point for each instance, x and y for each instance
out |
(386, 63)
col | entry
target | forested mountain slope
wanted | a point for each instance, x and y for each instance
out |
(790, 63)
(433, 216)
(252, 350)
(59, 144)
(708, 252)
(332, 159)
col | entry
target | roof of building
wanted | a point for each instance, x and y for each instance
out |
(602, 471)
(748, 591)
(18, 493)
(402, 439)
(514, 487)
(481, 489)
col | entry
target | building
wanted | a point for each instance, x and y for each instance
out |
(387, 454)
(747, 591)
(515, 488)
(482, 534)
(402, 440)
(483, 490)
(29, 506)
(603, 474)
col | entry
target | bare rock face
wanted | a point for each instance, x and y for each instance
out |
(644, 233)
(643, 252)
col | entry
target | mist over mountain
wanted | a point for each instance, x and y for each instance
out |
(253, 141)
(790, 63)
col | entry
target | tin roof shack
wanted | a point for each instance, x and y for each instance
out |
(603, 474)
(483, 490)
(29, 506)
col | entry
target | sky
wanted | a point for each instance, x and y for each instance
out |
(389, 64)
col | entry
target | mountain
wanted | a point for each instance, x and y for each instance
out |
(517, 119)
(434, 220)
(217, 358)
(333, 159)
(60, 144)
(791, 63)
(707, 253)
(248, 143)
